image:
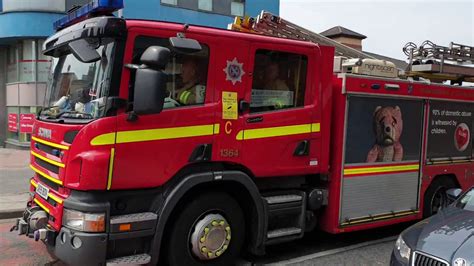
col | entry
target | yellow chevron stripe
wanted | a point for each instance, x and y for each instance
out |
(47, 160)
(50, 178)
(52, 196)
(381, 169)
(55, 145)
(41, 205)
(269, 132)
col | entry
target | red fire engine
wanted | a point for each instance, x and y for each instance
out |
(178, 144)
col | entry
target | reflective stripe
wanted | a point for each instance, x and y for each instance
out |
(56, 163)
(104, 139)
(55, 145)
(381, 169)
(50, 178)
(216, 129)
(58, 200)
(184, 97)
(33, 183)
(164, 133)
(41, 205)
(269, 132)
(157, 134)
(111, 168)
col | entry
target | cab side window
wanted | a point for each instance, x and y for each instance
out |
(187, 72)
(279, 81)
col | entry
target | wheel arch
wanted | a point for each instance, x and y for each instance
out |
(436, 181)
(447, 176)
(237, 183)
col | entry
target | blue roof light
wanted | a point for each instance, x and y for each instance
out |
(95, 6)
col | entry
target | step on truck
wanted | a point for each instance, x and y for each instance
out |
(180, 145)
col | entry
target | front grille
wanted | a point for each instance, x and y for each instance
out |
(45, 148)
(48, 182)
(421, 259)
(46, 165)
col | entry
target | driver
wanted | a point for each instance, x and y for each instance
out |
(190, 91)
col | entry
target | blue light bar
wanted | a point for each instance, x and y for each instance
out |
(94, 7)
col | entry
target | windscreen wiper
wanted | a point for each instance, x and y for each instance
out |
(74, 115)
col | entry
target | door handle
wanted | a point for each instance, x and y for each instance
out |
(302, 149)
(255, 119)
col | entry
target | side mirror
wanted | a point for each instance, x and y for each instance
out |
(150, 81)
(453, 194)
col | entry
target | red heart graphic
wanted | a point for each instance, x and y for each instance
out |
(462, 136)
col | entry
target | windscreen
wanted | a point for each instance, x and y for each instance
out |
(79, 89)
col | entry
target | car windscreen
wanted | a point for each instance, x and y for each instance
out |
(467, 201)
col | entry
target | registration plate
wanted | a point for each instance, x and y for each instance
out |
(42, 191)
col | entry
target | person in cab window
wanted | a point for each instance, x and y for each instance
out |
(278, 99)
(271, 78)
(190, 92)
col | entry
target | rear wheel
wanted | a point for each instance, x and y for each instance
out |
(435, 196)
(209, 230)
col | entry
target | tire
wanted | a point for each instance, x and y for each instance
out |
(435, 196)
(179, 247)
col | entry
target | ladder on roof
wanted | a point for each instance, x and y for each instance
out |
(440, 63)
(271, 25)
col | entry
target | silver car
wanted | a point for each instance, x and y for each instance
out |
(446, 238)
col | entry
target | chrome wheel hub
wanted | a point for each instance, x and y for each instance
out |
(210, 237)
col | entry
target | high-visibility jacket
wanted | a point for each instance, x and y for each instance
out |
(187, 96)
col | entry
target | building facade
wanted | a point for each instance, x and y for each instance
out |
(25, 24)
(212, 13)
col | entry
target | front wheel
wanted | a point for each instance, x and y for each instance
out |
(209, 230)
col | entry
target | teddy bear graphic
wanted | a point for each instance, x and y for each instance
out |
(388, 126)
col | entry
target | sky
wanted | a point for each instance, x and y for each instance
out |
(388, 25)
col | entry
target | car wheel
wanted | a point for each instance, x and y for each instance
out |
(435, 196)
(209, 230)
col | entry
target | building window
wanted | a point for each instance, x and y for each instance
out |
(170, 2)
(237, 8)
(205, 5)
(223, 7)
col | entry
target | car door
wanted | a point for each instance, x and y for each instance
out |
(279, 134)
(153, 148)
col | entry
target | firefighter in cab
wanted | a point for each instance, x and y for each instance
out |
(191, 91)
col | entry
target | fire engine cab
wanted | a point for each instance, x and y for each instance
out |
(181, 145)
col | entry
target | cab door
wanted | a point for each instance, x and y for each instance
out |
(153, 148)
(280, 135)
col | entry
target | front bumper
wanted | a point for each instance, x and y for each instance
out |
(91, 251)
(81, 248)
(70, 246)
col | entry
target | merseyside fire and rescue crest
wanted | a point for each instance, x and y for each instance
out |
(234, 71)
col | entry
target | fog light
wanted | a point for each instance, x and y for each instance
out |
(76, 242)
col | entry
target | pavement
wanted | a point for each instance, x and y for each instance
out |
(19, 250)
(14, 177)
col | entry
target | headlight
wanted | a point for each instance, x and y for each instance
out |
(402, 249)
(85, 222)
